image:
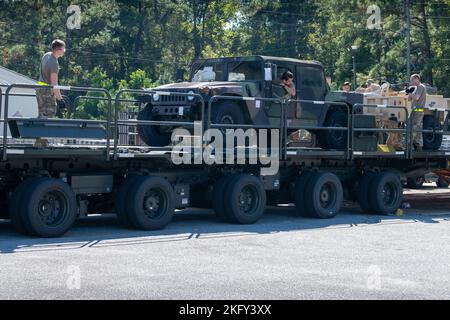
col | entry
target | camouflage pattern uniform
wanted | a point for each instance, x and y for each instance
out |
(417, 114)
(46, 103)
(45, 97)
(417, 124)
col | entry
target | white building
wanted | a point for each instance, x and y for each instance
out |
(22, 102)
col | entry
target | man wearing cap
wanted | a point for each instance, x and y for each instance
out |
(47, 99)
(346, 87)
(418, 99)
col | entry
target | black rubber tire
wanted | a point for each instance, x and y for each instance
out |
(363, 190)
(323, 184)
(431, 142)
(33, 203)
(227, 112)
(233, 209)
(415, 183)
(298, 192)
(13, 205)
(137, 195)
(150, 134)
(332, 139)
(441, 183)
(378, 193)
(218, 197)
(120, 200)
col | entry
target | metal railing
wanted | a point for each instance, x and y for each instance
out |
(256, 100)
(387, 130)
(299, 103)
(436, 130)
(77, 99)
(112, 122)
(150, 92)
(6, 117)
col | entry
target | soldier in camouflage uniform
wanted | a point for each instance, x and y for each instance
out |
(418, 98)
(47, 98)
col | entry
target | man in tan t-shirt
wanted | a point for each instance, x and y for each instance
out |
(418, 98)
(47, 98)
(287, 82)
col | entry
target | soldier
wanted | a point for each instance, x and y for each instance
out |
(418, 99)
(288, 84)
(47, 99)
(372, 86)
(346, 87)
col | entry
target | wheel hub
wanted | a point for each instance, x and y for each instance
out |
(227, 119)
(50, 209)
(153, 204)
(326, 196)
(429, 137)
(388, 194)
(247, 199)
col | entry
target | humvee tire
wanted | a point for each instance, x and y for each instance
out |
(333, 139)
(150, 134)
(226, 112)
(431, 141)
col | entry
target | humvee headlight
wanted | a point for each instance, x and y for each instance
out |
(155, 97)
(191, 98)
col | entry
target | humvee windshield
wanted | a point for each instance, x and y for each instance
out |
(214, 70)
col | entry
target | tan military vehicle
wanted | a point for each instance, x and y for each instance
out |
(435, 113)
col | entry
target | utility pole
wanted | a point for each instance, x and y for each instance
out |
(353, 50)
(354, 72)
(408, 38)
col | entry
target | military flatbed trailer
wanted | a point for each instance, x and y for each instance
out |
(44, 190)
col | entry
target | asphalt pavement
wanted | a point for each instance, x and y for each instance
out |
(353, 256)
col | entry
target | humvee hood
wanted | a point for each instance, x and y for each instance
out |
(197, 85)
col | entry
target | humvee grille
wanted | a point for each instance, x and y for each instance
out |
(173, 99)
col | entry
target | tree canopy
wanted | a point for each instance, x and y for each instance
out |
(132, 43)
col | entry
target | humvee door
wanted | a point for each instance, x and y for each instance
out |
(277, 91)
(311, 85)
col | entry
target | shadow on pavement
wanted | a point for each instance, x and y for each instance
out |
(102, 231)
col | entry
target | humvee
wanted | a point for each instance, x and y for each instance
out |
(252, 76)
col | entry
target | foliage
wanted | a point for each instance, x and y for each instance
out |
(141, 43)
